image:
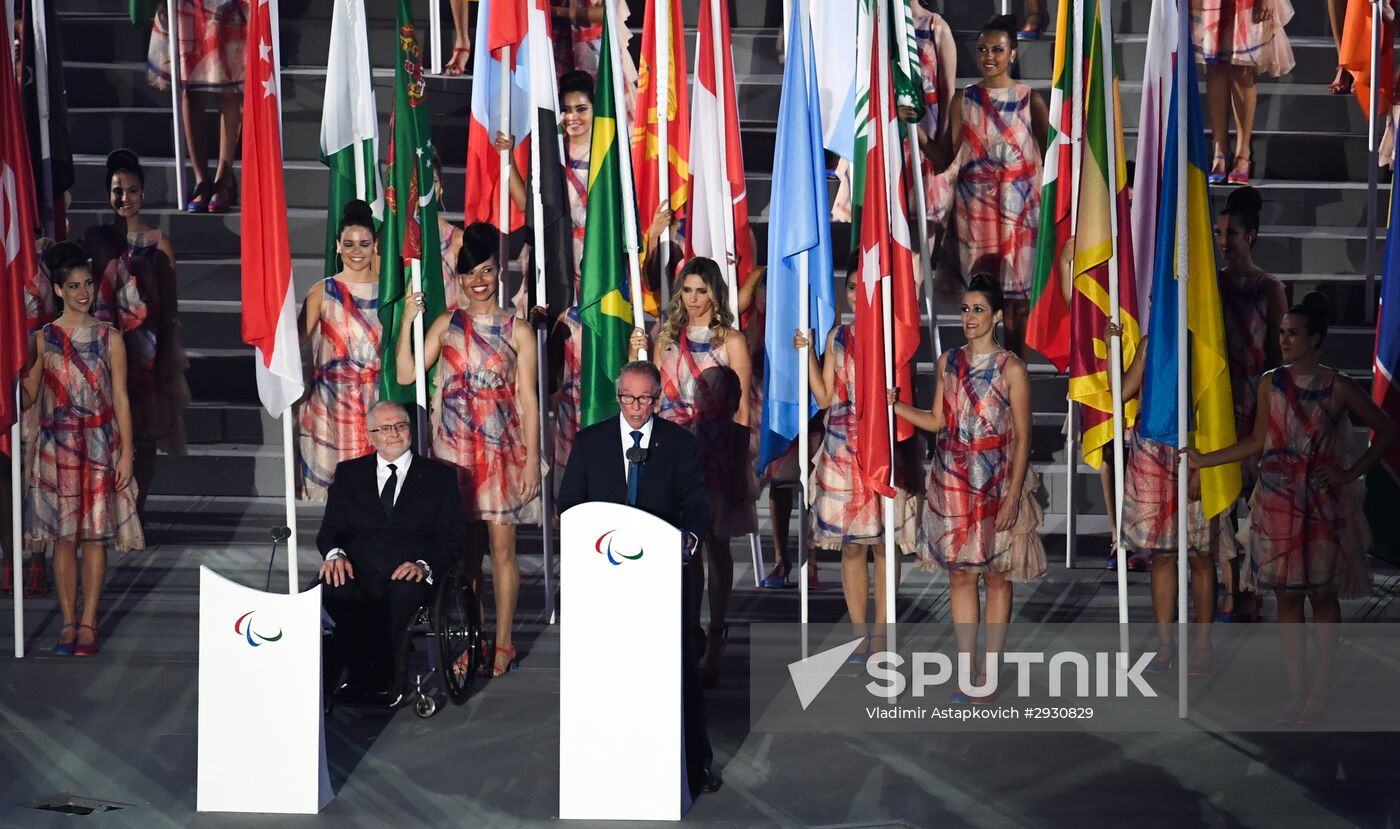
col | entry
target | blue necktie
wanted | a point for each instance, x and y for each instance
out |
(634, 471)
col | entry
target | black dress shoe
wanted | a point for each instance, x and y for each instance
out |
(710, 781)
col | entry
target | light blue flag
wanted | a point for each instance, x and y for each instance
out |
(798, 222)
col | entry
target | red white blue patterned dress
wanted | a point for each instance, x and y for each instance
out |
(1224, 31)
(566, 412)
(996, 204)
(701, 392)
(128, 272)
(1149, 506)
(212, 38)
(1303, 535)
(476, 421)
(449, 233)
(345, 355)
(73, 488)
(971, 469)
(1245, 302)
(844, 510)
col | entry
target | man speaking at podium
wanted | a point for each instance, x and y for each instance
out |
(652, 464)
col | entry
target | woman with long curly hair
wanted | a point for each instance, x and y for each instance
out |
(705, 379)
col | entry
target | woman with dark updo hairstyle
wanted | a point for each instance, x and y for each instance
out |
(133, 264)
(995, 140)
(1308, 535)
(81, 490)
(340, 320)
(485, 416)
(981, 521)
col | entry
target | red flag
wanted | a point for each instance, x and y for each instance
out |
(18, 221)
(886, 261)
(269, 310)
(650, 111)
(499, 23)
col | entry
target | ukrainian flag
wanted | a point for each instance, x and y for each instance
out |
(1211, 410)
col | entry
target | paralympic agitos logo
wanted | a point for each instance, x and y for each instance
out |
(244, 627)
(614, 555)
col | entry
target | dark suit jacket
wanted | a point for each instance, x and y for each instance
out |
(427, 522)
(671, 487)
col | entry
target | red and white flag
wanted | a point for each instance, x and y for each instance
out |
(886, 258)
(18, 220)
(716, 156)
(269, 307)
(500, 23)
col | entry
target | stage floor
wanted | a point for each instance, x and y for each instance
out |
(121, 727)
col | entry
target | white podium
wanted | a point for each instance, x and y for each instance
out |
(620, 722)
(262, 745)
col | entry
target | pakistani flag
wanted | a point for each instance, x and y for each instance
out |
(605, 306)
(349, 124)
(410, 226)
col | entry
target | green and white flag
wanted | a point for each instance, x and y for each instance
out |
(349, 123)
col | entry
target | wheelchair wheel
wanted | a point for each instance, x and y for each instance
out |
(457, 629)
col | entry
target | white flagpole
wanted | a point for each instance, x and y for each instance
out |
(41, 94)
(882, 62)
(16, 528)
(662, 84)
(537, 65)
(731, 270)
(804, 374)
(435, 35)
(624, 148)
(1076, 146)
(1115, 344)
(1183, 273)
(288, 455)
(1372, 174)
(177, 104)
(503, 201)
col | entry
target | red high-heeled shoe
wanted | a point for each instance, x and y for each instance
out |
(89, 648)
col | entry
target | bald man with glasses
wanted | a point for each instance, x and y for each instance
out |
(393, 523)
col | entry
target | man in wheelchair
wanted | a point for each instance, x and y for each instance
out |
(393, 524)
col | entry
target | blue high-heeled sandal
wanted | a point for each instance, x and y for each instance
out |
(66, 649)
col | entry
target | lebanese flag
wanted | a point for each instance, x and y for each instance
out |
(18, 220)
(269, 308)
(886, 263)
(715, 151)
(499, 23)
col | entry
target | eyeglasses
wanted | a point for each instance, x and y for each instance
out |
(391, 428)
(636, 399)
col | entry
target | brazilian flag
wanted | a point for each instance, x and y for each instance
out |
(605, 307)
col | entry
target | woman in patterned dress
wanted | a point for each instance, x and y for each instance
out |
(1149, 529)
(578, 45)
(82, 490)
(485, 414)
(1309, 536)
(1253, 304)
(340, 320)
(450, 238)
(981, 520)
(845, 514)
(1237, 40)
(705, 379)
(995, 139)
(213, 34)
(134, 266)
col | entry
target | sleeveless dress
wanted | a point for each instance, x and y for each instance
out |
(701, 392)
(1149, 506)
(475, 419)
(213, 34)
(1245, 303)
(576, 179)
(73, 488)
(1224, 31)
(970, 472)
(127, 271)
(449, 265)
(844, 510)
(996, 203)
(1304, 535)
(345, 358)
(566, 412)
